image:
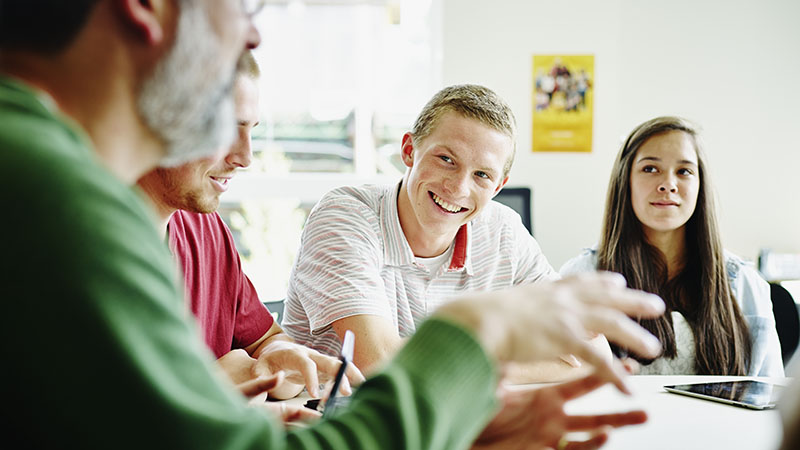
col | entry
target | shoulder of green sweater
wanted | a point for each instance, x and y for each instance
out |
(67, 202)
(33, 117)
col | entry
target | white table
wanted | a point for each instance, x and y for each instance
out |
(675, 422)
(681, 422)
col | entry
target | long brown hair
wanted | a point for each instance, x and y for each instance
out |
(701, 291)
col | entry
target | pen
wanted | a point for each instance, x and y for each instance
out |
(345, 356)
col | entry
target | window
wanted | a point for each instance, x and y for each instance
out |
(341, 81)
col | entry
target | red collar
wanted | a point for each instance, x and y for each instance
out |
(460, 249)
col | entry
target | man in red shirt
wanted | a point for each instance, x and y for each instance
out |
(236, 325)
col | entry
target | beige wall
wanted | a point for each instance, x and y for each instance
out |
(731, 66)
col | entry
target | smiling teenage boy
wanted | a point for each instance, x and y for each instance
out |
(378, 260)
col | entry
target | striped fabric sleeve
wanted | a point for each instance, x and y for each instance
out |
(532, 265)
(337, 273)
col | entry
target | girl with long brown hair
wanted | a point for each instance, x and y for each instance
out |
(660, 231)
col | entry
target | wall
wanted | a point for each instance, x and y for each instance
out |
(731, 66)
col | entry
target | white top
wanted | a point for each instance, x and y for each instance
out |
(354, 259)
(753, 296)
(435, 263)
(683, 362)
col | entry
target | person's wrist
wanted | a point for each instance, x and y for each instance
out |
(473, 319)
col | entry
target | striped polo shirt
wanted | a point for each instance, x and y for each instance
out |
(354, 259)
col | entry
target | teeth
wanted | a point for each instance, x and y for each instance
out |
(445, 205)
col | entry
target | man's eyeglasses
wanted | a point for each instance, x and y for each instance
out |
(252, 7)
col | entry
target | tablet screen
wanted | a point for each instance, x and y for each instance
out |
(747, 393)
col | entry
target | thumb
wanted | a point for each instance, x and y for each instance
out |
(251, 388)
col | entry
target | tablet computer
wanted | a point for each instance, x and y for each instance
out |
(747, 393)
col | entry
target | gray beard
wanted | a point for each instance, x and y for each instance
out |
(189, 107)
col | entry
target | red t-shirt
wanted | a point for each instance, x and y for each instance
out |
(220, 295)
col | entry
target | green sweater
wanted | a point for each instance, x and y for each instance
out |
(99, 350)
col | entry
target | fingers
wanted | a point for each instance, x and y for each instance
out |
(308, 370)
(631, 365)
(354, 374)
(327, 366)
(601, 279)
(601, 304)
(608, 371)
(611, 279)
(592, 443)
(299, 413)
(620, 329)
(608, 289)
(261, 384)
(578, 423)
(291, 413)
(581, 386)
(344, 386)
(308, 364)
(330, 367)
(635, 303)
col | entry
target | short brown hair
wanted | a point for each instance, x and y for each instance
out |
(471, 101)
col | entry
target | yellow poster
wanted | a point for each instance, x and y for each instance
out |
(563, 94)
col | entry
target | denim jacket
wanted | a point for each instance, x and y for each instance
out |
(753, 295)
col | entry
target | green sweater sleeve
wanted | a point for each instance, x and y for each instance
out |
(101, 352)
(437, 393)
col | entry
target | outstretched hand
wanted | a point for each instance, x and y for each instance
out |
(544, 320)
(535, 419)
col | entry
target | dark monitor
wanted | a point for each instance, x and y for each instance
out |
(518, 199)
(276, 309)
